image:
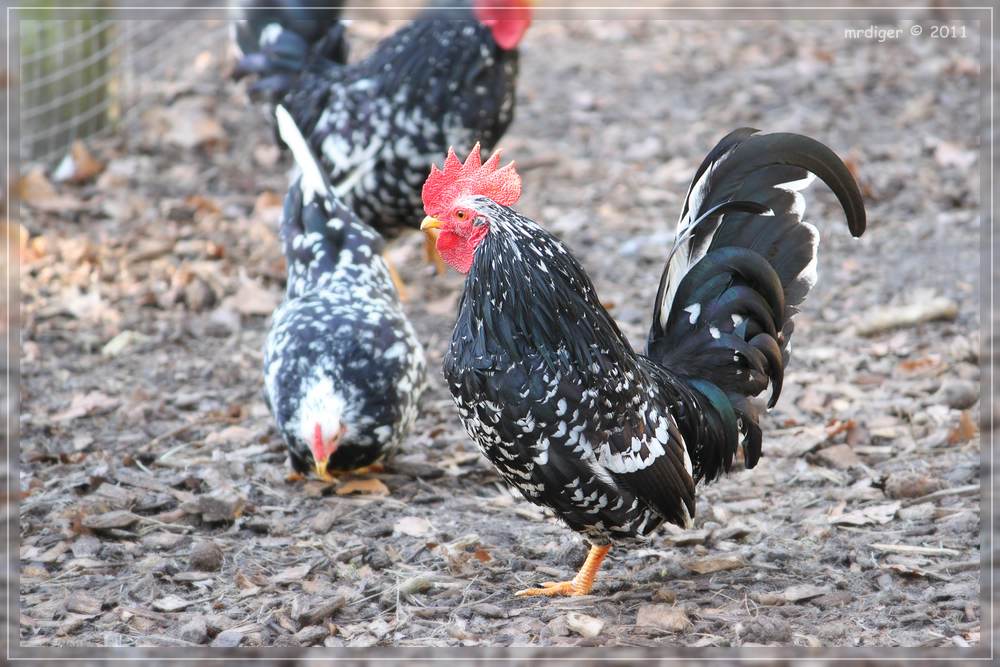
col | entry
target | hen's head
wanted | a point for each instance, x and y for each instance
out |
(508, 20)
(456, 199)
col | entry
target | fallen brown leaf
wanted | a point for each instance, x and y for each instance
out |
(367, 487)
(965, 431)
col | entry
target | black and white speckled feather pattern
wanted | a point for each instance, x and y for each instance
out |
(570, 415)
(548, 387)
(340, 338)
(378, 125)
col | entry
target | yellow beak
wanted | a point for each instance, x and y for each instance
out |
(322, 473)
(430, 223)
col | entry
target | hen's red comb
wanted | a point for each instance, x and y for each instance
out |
(443, 187)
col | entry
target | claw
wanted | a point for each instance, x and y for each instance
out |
(551, 589)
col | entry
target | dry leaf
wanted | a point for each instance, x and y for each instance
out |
(35, 190)
(252, 299)
(413, 526)
(109, 520)
(368, 487)
(231, 435)
(292, 574)
(874, 515)
(965, 431)
(191, 124)
(171, 603)
(78, 166)
(86, 405)
(709, 565)
(803, 592)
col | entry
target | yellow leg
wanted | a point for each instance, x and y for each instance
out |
(582, 582)
(431, 251)
(397, 280)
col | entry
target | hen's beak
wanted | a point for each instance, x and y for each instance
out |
(430, 222)
(322, 452)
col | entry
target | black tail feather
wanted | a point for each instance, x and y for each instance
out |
(726, 300)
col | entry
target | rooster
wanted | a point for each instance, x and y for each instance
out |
(613, 441)
(445, 79)
(343, 370)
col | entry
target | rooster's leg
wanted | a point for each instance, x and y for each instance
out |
(431, 251)
(582, 582)
(397, 280)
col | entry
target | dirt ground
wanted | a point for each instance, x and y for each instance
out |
(155, 509)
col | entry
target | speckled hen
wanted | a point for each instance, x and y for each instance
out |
(614, 441)
(343, 370)
(445, 79)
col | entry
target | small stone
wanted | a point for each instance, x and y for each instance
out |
(110, 520)
(709, 565)
(228, 639)
(83, 603)
(921, 512)
(558, 626)
(220, 508)
(584, 625)
(767, 630)
(164, 541)
(489, 610)
(689, 538)
(170, 603)
(323, 522)
(802, 592)
(834, 599)
(911, 485)
(664, 617)
(198, 295)
(311, 634)
(664, 595)
(320, 610)
(194, 631)
(841, 457)
(417, 584)
(958, 394)
(206, 556)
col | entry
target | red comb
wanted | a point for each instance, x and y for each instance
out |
(443, 187)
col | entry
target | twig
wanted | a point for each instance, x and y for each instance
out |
(970, 490)
(914, 551)
(960, 566)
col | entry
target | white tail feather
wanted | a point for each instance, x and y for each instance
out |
(313, 181)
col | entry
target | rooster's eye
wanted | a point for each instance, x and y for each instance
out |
(461, 215)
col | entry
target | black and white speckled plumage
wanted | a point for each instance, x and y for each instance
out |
(611, 440)
(378, 125)
(277, 39)
(340, 341)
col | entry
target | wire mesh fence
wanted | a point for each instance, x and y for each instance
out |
(81, 76)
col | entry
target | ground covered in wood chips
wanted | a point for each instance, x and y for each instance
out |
(155, 509)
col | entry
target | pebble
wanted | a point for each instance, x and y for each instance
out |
(558, 626)
(911, 485)
(958, 394)
(194, 631)
(206, 556)
(228, 639)
(767, 630)
(841, 457)
(312, 634)
(665, 617)
(584, 625)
